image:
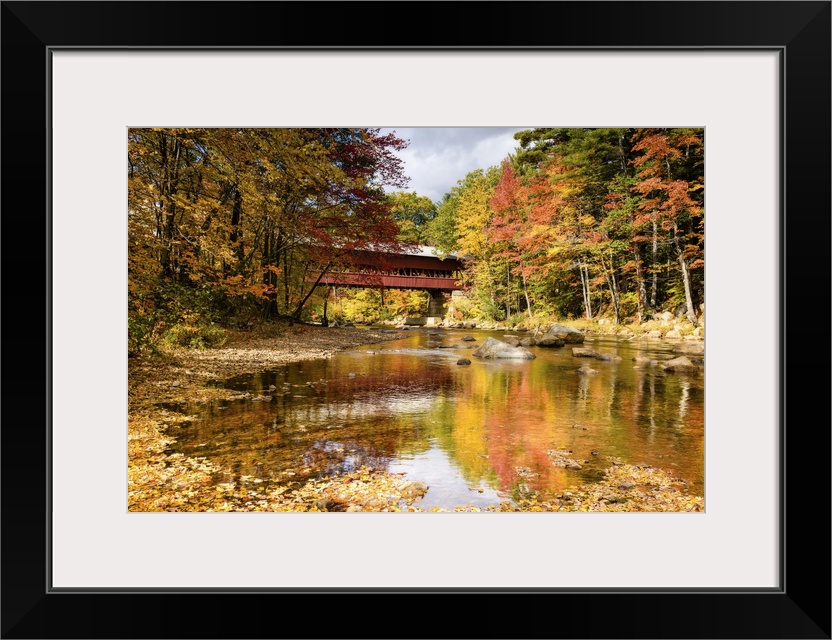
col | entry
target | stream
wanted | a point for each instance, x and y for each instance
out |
(476, 434)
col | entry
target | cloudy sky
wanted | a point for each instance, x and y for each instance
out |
(437, 157)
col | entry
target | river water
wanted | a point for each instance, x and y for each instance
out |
(476, 434)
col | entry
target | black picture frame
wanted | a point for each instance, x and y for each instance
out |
(799, 608)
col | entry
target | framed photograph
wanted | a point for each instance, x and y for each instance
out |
(83, 80)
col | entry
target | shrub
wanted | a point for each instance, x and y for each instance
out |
(140, 333)
(202, 336)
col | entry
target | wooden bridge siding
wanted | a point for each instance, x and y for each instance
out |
(390, 282)
(407, 262)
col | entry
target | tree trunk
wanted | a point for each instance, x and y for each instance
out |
(683, 266)
(655, 287)
(296, 314)
(170, 173)
(325, 322)
(611, 283)
(585, 289)
(235, 238)
(508, 291)
(526, 293)
(641, 295)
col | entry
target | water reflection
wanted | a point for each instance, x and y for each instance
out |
(476, 434)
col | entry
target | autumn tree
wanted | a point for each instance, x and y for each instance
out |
(507, 225)
(413, 213)
(252, 217)
(670, 181)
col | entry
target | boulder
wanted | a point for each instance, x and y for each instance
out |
(690, 348)
(463, 361)
(527, 342)
(583, 352)
(468, 339)
(586, 371)
(414, 490)
(673, 333)
(665, 316)
(679, 365)
(655, 333)
(567, 334)
(514, 342)
(494, 349)
(547, 340)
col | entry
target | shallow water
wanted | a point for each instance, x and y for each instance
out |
(475, 434)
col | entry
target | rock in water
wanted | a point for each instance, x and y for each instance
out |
(549, 340)
(468, 339)
(494, 349)
(463, 361)
(583, 352)
(690, 348)
(585, 371)
(414, 490)
(680, 365)
(567, 334)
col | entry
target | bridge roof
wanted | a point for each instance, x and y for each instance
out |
(425, 252)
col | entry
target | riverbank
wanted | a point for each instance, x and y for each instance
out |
(663, 325)
(164, 481)
(160, 481)
(183, 375)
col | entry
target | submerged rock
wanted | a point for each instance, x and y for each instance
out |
(527, 342)
(583, 352)
(493, 349)
(690, 348)
(586, 371)
(463, 361)
(415, 490)
(549, 340)
(680, 365)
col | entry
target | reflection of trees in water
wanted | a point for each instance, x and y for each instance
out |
(331, 458)
(490, 418)
(506, 420)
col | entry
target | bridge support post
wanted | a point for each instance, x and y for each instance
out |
(437, 307)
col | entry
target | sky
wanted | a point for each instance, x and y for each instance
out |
(438, 157)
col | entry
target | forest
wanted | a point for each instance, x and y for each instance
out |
(235, 228)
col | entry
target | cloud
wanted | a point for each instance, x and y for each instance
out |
(438, 157)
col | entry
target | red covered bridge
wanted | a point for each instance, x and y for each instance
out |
(419, 269)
